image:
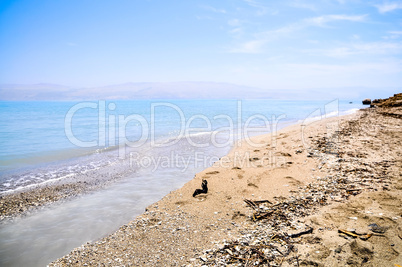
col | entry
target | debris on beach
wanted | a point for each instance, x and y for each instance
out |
(347, 233)
(377, 229)
(278, 228)
(204, 189)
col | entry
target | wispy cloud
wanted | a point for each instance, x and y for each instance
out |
(393, 35)
(250, 47)
(303, 5)
(322, 21)
(204, 18)
(396, 32)
(71, 44)
(376, 48)
(389, 6)
(237, 29)
(234, 22)
(369, 48)
(237, 32)
(213, 9)
(262, 9)
(257, 44)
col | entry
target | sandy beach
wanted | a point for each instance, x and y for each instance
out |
(326, 194)
(323, 193)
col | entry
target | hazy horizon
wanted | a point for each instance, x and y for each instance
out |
(178, 90)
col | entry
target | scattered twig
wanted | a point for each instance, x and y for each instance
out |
(347, 233)
(309, 231)
(365, 237)
(251, 204)
(262, 201)
(247, 261)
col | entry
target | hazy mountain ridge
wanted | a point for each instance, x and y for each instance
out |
(177, 90)
(172, 90)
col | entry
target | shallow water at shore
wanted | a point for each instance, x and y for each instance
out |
(50, 233)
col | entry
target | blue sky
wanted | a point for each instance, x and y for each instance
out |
(287, 44)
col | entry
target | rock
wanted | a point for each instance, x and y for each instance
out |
(377, 229)
(366, 101)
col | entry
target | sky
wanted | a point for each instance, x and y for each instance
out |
(288, 44)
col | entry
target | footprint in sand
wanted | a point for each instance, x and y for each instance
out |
(293, 181)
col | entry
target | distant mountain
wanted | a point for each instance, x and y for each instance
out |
(173, 90)
(180, 90)
(32, 91)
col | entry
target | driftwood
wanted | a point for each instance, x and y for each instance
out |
(348, 233)
(262, 201)
(308, 231)
(365, 237)
(355, 235)
(253, 203)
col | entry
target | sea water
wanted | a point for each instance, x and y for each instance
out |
(157, 146)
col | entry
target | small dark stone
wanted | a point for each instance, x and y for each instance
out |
(377, 229)
(338, 250)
